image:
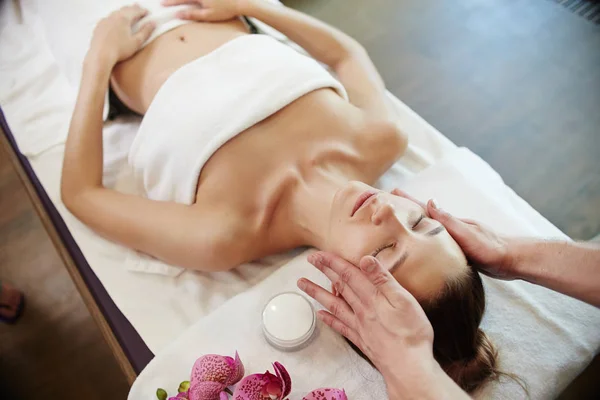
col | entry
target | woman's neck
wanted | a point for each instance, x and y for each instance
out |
(306, 210)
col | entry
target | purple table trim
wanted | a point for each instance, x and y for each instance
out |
(132, 344)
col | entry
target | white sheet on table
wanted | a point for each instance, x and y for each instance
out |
(162, 308)
(538, 332)
(181, 300)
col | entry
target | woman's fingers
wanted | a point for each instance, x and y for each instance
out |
(134, 13)
(144, 33)
(341, 328)
(349, 282)
(336, 305)
(195, 14)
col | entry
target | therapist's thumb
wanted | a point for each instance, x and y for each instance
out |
(457, 228)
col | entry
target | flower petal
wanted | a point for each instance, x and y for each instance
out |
(253, 387)
(284, 377)
(213, 368)
(206, 390)
(237, 371)
(326, 394)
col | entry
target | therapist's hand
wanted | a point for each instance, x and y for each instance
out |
(485, 250)
(208, 10)
(374, 312)
(114, 39)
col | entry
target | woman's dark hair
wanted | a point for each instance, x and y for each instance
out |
(460, 347)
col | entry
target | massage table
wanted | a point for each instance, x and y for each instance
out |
(37, 98)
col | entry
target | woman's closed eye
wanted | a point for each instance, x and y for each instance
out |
(418, 221)
(382, 248)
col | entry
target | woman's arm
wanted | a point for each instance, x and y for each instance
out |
(112, 42)
(171, 232)
(344, 55)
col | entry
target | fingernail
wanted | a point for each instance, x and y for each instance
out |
(369, 265)
(314, 259)
(434, 204)
(301, 284)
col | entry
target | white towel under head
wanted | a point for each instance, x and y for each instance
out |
(211, 100)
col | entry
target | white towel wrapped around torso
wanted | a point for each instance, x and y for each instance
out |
(211, 100)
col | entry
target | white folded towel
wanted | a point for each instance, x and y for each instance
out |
(211, 100)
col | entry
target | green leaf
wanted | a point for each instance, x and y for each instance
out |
(161, 394)
(183, 386)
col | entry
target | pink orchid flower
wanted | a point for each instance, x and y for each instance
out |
(212, 374)
(180, 396)
(265, 386)
(326, 394)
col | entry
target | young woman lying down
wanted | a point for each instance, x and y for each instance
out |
(248, 148)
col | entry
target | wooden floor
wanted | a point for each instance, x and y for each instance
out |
(55, 351)
(518, 82)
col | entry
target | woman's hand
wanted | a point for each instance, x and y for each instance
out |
(208, 10)
(486, 251)
(114, 38)
(374, 312)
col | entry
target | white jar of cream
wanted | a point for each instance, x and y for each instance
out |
(288, 321)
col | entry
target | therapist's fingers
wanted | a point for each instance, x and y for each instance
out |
(380, 277)
(347, 278)
(336, 305)
(470, 221)
(401, 193)
(457, 228)
(338, 326)
(177, 2)
(342, 289)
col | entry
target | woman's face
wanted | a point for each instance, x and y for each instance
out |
(416, 249)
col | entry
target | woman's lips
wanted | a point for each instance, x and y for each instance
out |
(362, 199)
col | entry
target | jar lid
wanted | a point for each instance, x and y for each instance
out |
(288, 321)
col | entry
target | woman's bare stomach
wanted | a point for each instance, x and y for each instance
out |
(137, 80)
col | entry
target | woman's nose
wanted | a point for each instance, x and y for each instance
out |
(386, 213)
